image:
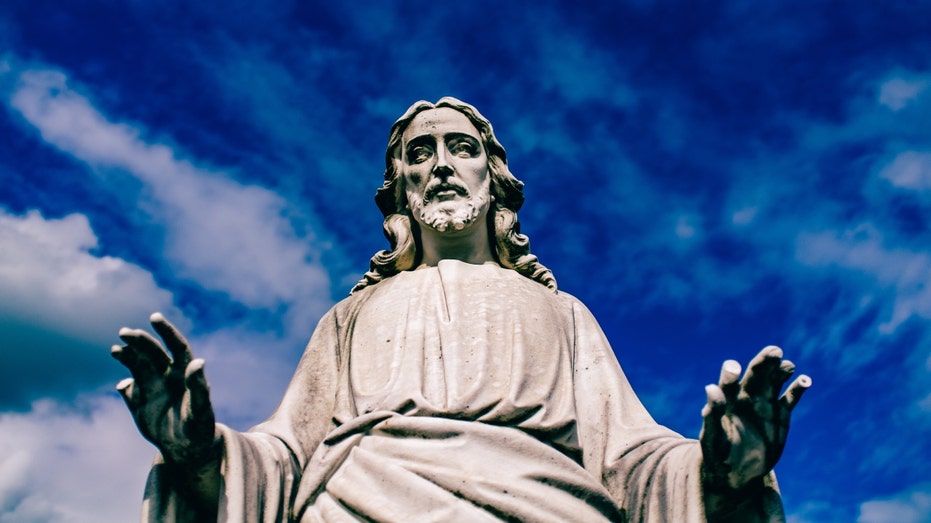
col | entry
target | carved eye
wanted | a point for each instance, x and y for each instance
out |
(463, 149)
(419, 154)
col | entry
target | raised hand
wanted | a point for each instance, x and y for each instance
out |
(746, 421)
(168, 396)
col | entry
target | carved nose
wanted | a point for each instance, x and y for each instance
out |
(442, 168)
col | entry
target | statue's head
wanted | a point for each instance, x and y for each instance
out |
(507, 190)
(403, 217)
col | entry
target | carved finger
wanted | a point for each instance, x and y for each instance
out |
(712, 438)
(129, 392)
(145, 348)
(197, 396)
(758, 379)
(794, 392)
(174, 340)
(782, 373)
(119, 354)
(716, 402)
(729, 380)
(141, 369)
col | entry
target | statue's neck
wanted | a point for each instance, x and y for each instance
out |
(469, 246)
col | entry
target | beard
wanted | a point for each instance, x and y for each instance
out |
(450, 215)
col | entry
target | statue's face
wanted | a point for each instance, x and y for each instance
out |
(445, 170)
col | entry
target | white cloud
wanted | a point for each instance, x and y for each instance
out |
(911, 506)
(226, 236)
(58, 465)
(85, 461)
(902, 273)
(61, 307)
(896, 93)
(49, 278)
(909, 170)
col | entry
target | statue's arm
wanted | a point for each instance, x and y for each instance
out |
(651, 472)
(657, 475)
(202, 475)
(305, 413)
(169, 400)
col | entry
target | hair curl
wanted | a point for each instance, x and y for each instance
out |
(510, 247)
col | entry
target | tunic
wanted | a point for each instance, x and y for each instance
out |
(456, 393)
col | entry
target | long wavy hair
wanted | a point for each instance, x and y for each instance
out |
(510, 248)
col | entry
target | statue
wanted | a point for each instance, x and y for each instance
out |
(455, 384)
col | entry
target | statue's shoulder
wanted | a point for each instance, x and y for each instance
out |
(354, 300)
(568, 298)
(351, 304)
(575, 307)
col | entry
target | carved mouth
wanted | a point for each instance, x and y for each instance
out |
(445, 191)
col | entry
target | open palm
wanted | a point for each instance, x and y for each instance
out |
(168, 396)
(746, 421)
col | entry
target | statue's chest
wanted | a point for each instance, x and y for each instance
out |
(457, 348)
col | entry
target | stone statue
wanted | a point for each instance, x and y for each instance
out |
(455, 384)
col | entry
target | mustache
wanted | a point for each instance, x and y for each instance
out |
(439, 185)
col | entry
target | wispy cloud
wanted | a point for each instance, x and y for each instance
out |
(809, 214)
(224, 235)
(818, 512)
(901, 273)
(911, 506)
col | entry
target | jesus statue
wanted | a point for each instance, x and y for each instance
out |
(455, 384)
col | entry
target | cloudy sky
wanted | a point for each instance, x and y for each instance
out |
(708, 177)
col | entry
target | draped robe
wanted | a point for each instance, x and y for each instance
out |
(457, 393)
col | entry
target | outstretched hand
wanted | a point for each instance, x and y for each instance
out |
(746, 420)
(168, 396)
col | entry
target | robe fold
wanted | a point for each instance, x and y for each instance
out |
(457, 393)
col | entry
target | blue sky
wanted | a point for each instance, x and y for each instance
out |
(709, 178)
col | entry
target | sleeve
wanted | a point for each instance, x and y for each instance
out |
(653, 473)
(261, 469)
